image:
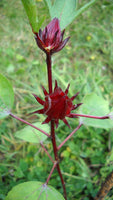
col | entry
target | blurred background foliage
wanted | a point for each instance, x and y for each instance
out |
(85, 63)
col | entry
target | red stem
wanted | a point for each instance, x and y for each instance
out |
(54, 165)
(55, 149)
(54, 139)
(69, 136)
(25, 122)
(91, 116)
(49, 69)
(47, 152)
(62, 181)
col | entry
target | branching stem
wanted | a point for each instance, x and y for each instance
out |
(54, 165)
(69, 136)
(47, 152)
(29, 124)
(90, 116)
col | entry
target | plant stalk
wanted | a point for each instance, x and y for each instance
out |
(29, 124)
(53, 138)
(46, 152)
(54, 165)
(49, 70)
(91, 116)
(55, 149)
(69, 136)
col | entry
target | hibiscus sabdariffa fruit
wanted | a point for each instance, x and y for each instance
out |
(57, 105)
(50, 40)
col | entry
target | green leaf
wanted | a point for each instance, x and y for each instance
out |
(48, 2)
(95, 105)
(65, 10)
(31, 11)
(6, 97)
(30, 134)
(34, 190)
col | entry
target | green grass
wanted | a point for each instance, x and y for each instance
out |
(85, 63)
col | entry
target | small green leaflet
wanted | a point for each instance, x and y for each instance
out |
(95, 105)
(30, 134)
(6, 97)
(34, 190)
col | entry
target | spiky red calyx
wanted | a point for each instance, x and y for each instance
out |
(57, 105)
(50, 40)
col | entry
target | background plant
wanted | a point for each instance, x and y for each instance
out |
(87, 85)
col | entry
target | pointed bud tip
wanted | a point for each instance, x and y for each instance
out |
(34, 95)
(67, 89)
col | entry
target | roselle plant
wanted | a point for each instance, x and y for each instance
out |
(57, 105)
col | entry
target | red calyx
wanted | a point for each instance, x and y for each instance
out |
(57, 105)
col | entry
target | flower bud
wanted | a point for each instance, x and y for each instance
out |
(50, 40)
